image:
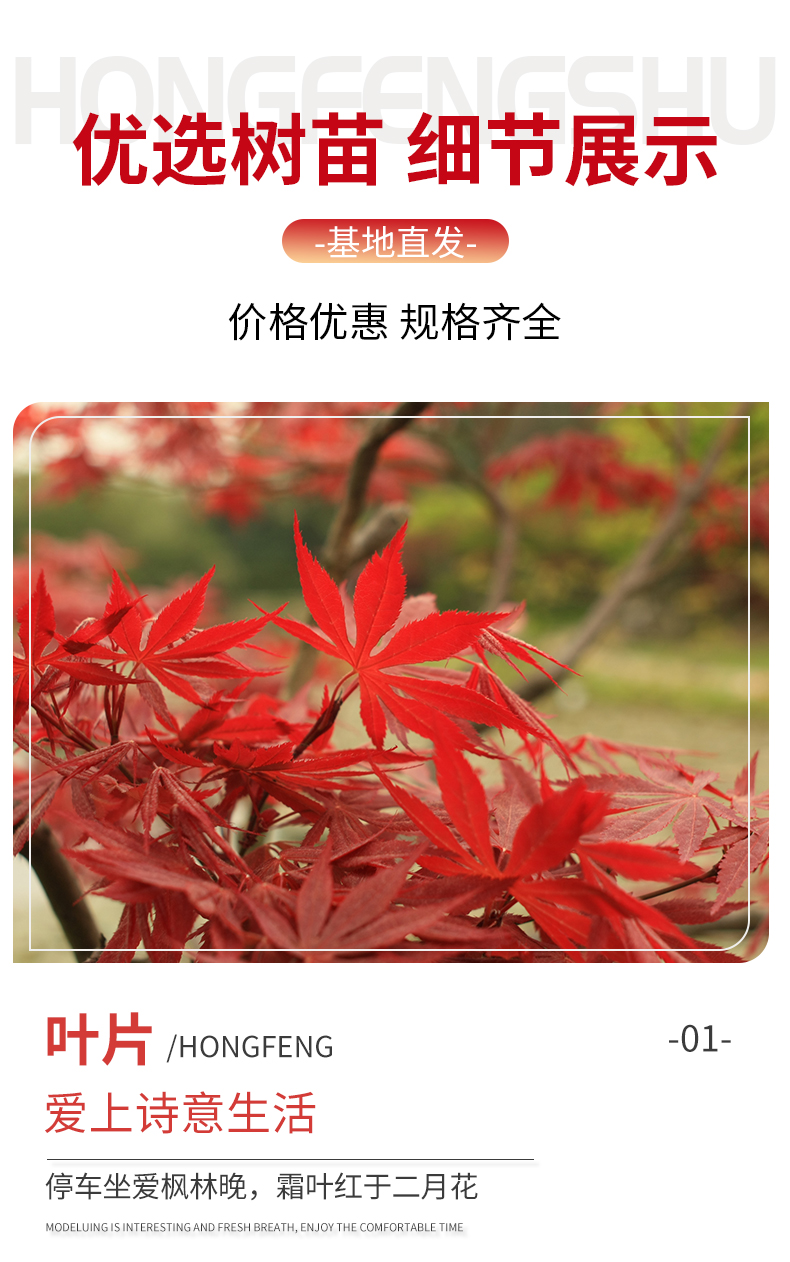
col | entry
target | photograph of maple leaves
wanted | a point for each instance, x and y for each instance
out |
(402, 682)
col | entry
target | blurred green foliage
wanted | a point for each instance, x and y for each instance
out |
(171, 537)
(566, 558)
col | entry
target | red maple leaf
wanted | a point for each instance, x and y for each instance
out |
(673, 794)
(314, 924)
(549, 832)
(287, 779)
(36, 632)
(172, 651)
(543, 838)
(383, 656)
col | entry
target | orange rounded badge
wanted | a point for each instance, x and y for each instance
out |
(376, 240)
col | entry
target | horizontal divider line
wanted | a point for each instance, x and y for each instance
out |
(304, 1160)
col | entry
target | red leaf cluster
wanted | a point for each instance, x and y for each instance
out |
(238, 462)
(583, 465)
(236, 823)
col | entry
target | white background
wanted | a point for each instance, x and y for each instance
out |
(124, 292)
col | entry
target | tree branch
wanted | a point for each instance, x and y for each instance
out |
(506, 543)
(337, 552)
(60, 884)
(507, 536)
(670, 889)
(505, 521)
(641, 569)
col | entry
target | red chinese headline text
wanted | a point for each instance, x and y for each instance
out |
(195, 151)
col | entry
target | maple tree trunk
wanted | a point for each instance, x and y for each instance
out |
(65, 894)
(641, 569)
